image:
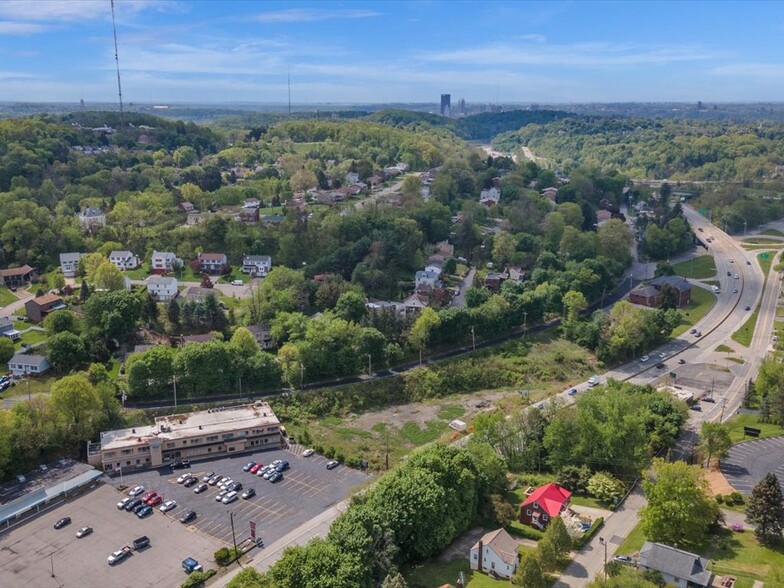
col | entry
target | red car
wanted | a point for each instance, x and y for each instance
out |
(155, 500)
(148, 498)
(256, 468)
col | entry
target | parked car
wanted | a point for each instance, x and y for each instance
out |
(182, 464)
(155, 501)
(696, 407)
(308, 452)
(624, 559)
(282, 466)
(235, 487)
(225, 484)
(692, 331)
(215, 479)
(248, 466)
(268, 474)
(184, 477)
(190, 482)
(331, 465)
(660, 366)
(264, 470)
(593, 381)
(644, 358)
(207, 476)
(256, 468)
(62, 522)
(136, 490)
(124, 502)
(83, 532)
(221, 494)
(188, 516)
(149, 495)
(698, 334)
(141, 542)
(191, 565)
(662, 355)
(137, 509)
(249, 493)
(229, 498)
(572, 391)
(119, 555)
(200, 488)
(168, 505)
(133, 504)
(681, 361)
(708, 399)
(276, 476)
(237, 283)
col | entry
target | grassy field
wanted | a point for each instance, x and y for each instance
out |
(762, 241)
(746, 331)
(438, 573)
(701, 303)
(751, 420)
(766, 262)
(30, 338)
(633, 543)
(6, 297)
(699, 268)
(772, 232)
(139, 273)
(724, 349)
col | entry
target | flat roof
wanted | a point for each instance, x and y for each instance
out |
(184, 426)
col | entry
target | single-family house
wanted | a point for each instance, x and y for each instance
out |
(544, 504)
(382, 305)
(445, 248)
(213, 263)
(7, 329)
(352, 177)
(37, 308)
(163, 262)
(124, 260)
(248, 216)
(205, 338)
(425, 279)
(197, 293)
(273, 220)
(496, 554)
(91, 218)
(515, 274)
(550, 193)
(188, 207)
(16, 276)
(251, 203)
(296, 203)
(602, 216)
(162, 288)
(494, 281)
(262, 335)
(490, 196)
(415, 303)
(69, 264)
(677, 567)
(650, 294)
(28, 365)
(256, 265)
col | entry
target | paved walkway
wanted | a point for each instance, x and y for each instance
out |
(590, 559)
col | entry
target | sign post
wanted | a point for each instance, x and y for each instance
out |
(253, 530)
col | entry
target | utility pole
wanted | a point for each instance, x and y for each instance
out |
(174, 382)
(604, 543)
(370, 366)
(604, 290)
(301, 376)
(723, 404)
(473, 338)
(233, 536)
(51, 558)
(525, 323)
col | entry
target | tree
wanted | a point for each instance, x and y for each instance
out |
(7, 349)
(450, 266)
(716, 440)
(173, 312)
(84, 291)
(663, 269)
(615, 241)
(394, 580)
(76, 402)
(66, 352)
(58, 282)
(150, 309)
(558, 536)
(668, 297)
(679, 510)
(113, 315)
(319, 564)
(419, 336)
(504, 247)
(351, 306)
(107, 277)
(529, 573)
(249, 577)
(547, 555)
(60, 321)
(625, 578)
(605, 487)
(498, 510)
(765, 509)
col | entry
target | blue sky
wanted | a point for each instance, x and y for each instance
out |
(360, 52)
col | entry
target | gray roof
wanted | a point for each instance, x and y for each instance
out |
(91, 211)
(677, 282)
(502, 543)
(161, 281)
(645, 290)
(676, 562)
(5, 322)
(70, 257)
(256, 259)
(122, 254)
(25, 359)
(163, 255)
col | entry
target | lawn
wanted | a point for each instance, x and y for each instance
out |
(236, 274)
(740, 555)
(698, 267)
(137, 274)
(36, 385)
(779, 311)
(6, 297)
(438, 573)
(30, 338)
(701, 303)
(746, 331)
(634, 542)
(737, 423)
(766, 262)
(762, 241)
(772, 232)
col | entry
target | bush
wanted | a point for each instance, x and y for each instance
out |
(737, 497)
(719, 499)
(223, 556)
(524, 531)
(329, 452)
(595, 526)
(197, 579)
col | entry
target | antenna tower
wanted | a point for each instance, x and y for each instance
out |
(117, 62)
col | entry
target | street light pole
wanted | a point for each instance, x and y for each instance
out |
(51, 558)
(370, 365)
(174, 382)
(604, 543)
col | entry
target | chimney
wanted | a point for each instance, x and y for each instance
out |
(481, 549)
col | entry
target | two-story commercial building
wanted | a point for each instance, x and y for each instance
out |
(195, 435)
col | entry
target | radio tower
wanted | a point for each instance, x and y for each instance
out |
(117, 62)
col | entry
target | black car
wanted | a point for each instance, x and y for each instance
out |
(747, 307)
(235, 487)
(131, 506)
(709, 399)
(180, 465)
(137, 509)
(62, 522)
(188, 517)
(696, 407)
(190, 482)
(282, 466)
(249, 493)
(660, 366)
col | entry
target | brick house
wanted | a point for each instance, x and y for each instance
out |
(37, 308)
(544, 504)
(213, 263)
(650, 294)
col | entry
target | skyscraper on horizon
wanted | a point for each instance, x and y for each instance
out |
(446, 105)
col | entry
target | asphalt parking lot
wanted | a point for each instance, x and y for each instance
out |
(29, 552)
(747, 463)
(306, 490)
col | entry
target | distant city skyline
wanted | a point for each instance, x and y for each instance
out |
(384, 52)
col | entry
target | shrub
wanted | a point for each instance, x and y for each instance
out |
(524, 531)
(737, 497)
(329, 452)
(223, 556)
(197, 579)
(719, 499)
(340, 457)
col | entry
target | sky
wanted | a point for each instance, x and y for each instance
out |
(381, 52)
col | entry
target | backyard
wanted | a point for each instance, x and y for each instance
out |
(438, 573)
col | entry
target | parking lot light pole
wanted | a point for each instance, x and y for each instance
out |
(233, 536)
(51, 558)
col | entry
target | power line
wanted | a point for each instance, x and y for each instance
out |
(117, 63)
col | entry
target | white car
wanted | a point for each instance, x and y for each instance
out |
(237, 283)
(662, 355)
(644, 358)
(736, 276)
(593, 381)
(225, 484)
(182, 478)
(220, 495)
(229, 498)
(308, 453)
(168, 505)
(123, 503)
(135, 491)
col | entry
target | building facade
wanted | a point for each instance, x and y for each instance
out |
(213, 263)
(162, 288)
(37, 308)
(69, 264)
(195, 435)
(543, 505)
(496, 554)
(16, 276)
(124, 260)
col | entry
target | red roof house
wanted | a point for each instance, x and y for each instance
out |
(544, 504)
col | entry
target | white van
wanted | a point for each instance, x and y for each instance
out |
(230, 497)
(715, 289)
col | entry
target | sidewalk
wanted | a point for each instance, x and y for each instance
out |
(589, 561)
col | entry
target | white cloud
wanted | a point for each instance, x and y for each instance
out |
(774, 71)
(21, 28)
(71, 10)
(313, 15)
(533, 38)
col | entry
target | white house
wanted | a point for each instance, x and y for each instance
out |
(163, 262)
(124, 260)
(425, 278)
(251, 203)
(677, 567)
(490, 196)
(162, 288)
(496, 552)
(256, 264)
(7, 329)
(69, 264)
(21, 364)
(91, 218)
(352, 177)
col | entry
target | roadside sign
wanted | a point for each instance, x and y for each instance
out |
(764, 255)
(704, 211)
(751, 431)
(252, 530)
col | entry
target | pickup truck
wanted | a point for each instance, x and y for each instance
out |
(191, 565)
(119, 555)
(141, 542)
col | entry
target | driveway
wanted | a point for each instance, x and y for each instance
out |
(465, 284)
